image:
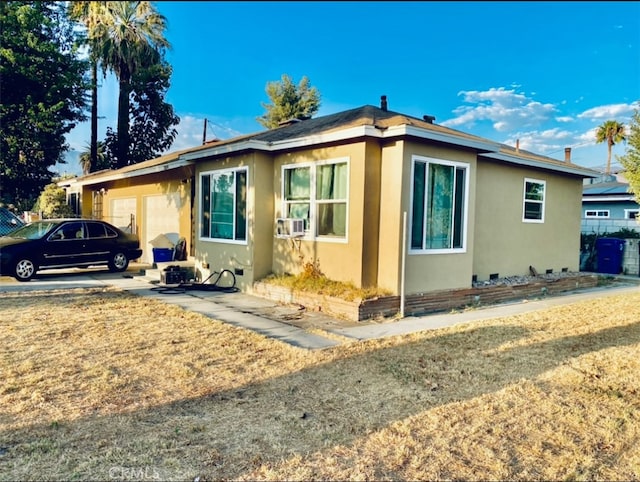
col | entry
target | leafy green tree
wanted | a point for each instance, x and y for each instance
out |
(152, 130)
(52, 203)
(289, 101)
(631, 159)
(42, 89)
(130, 38)
(611, 132)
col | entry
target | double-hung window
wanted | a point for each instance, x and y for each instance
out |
(533, 202)
(318, 194)
(439, 199)
(224, 205)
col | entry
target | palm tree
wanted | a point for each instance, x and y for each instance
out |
(130, 37)
(86, 159)
(612, 132)
(91, 14)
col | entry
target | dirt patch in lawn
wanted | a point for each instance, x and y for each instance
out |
(99, 384)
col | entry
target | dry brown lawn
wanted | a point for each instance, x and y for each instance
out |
(103, 385)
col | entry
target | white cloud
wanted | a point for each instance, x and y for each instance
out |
(543, 142)
(191, 128)
(611, 111)
(564, 118)
(505, 109)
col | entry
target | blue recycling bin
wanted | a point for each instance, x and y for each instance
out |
(162, 255)
(609, 255)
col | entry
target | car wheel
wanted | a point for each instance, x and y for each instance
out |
(119, 262)
(25, 270)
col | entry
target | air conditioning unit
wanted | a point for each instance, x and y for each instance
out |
(289, 227)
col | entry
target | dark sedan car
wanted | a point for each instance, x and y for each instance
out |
(66, 243)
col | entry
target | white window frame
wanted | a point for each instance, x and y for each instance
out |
(629, 212)
(310, 230)
(216, 172)
(525, 200)
(465, 213)
(597, 213)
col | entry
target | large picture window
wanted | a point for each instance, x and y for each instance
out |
(439, 205)
(533, 202)
(317, 193)
(224, 205)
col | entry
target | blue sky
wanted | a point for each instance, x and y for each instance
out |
(546, 73)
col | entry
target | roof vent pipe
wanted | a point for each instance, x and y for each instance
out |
(517, 145)
(383, 102)
(567, 154)
(429, 118)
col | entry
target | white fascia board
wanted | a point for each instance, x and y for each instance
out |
(226, 149)
(340, 135)
(350, 133)
(441, 137)
(620, 197)
(584, 172)
(305, 141)
(134, 173)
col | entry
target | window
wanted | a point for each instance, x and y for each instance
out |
(224, 205)
(439, 205)
(632, 214)
(533, 205)
(592, 213)
(317, 193)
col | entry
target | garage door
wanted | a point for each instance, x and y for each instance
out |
(123, 211)
(161, 216)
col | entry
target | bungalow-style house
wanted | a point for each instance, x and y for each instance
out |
(372, 197)
(608, 206)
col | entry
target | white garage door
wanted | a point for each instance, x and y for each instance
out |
(161, 216)
(123, 211)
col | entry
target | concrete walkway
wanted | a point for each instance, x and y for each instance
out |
(291, 324)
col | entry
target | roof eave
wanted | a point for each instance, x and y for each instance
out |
(612, 198)
(541, 164)
(116, 175)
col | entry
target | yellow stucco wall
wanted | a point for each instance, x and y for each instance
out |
(138, 188)
(380, 183)
(506, 245)
(339, 259)
(247, 260)
(423, 272)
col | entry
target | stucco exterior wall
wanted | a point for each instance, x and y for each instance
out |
(390, 244)
(504, 244)
(339, 259)
(437, 271)
(139, 188)
(236, 256)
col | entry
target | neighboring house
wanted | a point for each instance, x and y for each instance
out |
(339, 190)
(608, 206)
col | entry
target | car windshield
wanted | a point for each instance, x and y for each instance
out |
(34, 230)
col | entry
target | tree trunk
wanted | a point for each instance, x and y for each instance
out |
(94, 116)
(123, 121)
(609, 145)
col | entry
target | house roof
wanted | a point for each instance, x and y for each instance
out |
(365, 121)
(607, 191)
